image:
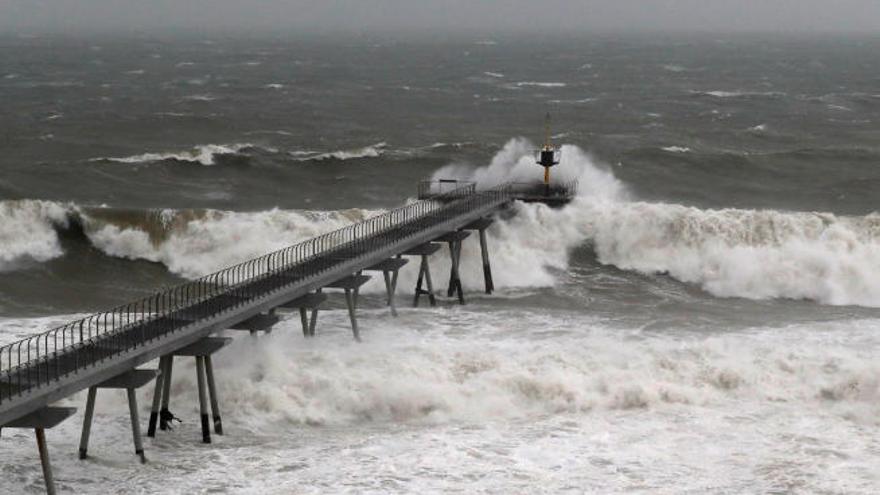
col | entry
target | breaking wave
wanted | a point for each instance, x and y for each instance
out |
(203, 154)
(756, 254)
(372, 151)
(28, 231)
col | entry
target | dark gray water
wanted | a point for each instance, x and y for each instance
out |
(721, 268)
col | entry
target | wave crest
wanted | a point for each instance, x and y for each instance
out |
(28, 231)
(204, 154)
(372, 151)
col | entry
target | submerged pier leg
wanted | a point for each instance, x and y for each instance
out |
(394, 277)
(304, 318)
(135, 424)
(157, 396)
(212, 392)
(351, 302)
(454, 277)
(314, 320)
(487, 269)
(389, 289)
(429, 282)
(44, 460)
(87, 423)
(165, 416)
(203, 398)
(424, 274)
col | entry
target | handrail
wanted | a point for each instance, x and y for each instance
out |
(37, 360)
(435, 189)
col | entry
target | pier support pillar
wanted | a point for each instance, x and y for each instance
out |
(130, 381)
(203, 399)
(44, 461)
(455, 239)
(87, 423)
(42, 420)
(165, 416)
(481, 225)
(423, 251)
(351, 287)
(454, 277)
(135, 425)
(390, 269)
(212, 394)
(424, 273)
(313, 322)
(309, 303)
(487, 269)
(202, 351)
(164, 372)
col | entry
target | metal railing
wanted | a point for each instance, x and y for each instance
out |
(536, 190)
(431, 189)
(40, 359)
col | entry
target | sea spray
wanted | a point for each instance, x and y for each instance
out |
(28, 231)
(431, 372)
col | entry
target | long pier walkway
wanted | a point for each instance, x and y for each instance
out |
(104, 350)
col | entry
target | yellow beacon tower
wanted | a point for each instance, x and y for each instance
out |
(548, 156)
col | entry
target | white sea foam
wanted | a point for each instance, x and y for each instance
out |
(196, 246)
(758, 128)
(422, 406)
(674, 68)
(541, 84)
(677, 149)
(372, 151)
(28, 231)
(200, 97)
(203, 154)
(436, 374)
(494, 74)
(737, 94)
(730, 253)
(745, 253)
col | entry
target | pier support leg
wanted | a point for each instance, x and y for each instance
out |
(454, 278)
(44, 460)
(424, 274)
(212, 392)
(314, 321)
(304, 317)
(135, 424)
(157, 397)
(87, 423)
(351, 302)
(165, 416)
(203, 398)
(390, 288)
(487, 269)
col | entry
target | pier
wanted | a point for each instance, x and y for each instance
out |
(105, 350)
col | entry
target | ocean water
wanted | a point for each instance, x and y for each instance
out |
(702, 319)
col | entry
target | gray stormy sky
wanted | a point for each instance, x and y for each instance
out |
(441, 15)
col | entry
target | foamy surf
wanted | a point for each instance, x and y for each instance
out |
(203, 155)
(751, 254)
(372, 151)
(28, 231)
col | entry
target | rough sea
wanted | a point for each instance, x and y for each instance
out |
(701, 319)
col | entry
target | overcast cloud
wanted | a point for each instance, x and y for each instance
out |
(441, 15)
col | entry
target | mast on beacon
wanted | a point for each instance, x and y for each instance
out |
(549, 155)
